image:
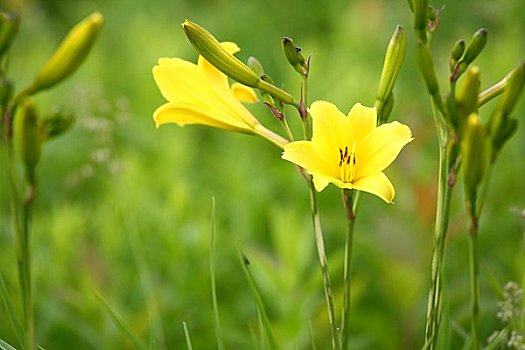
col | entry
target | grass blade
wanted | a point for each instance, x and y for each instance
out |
(187, 336)
(218, 330)
(312, 338)
(121, 324)
(15, 323)
(5, 346)
(270, 339)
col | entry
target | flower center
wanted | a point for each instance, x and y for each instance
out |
(347, 163)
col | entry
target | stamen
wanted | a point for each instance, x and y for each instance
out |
(347, 163)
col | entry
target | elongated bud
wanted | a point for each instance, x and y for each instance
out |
(210, 48)
(294, 56)
(456, 53)
(420, 19)
(383, 113)
(70, 54)
(395, 54)
(28, 138)
(426, 67)
(474, 155)
(9, 23)
(476, 44)
(255, 65)
(513, 89)
(55, 124)
(467, 94)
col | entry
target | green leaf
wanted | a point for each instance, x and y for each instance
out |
(15, 323)
(187, 336)
(121, 324)
(245, 263)
(5, 346)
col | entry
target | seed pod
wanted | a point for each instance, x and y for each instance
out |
(69, 55)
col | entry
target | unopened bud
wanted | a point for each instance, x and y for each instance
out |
(255, 65)
(395, 54)
(70, 54)
(55, 124)
(28, 138)
(456, 53)
(476, 44)
(467, 94)
(513, 89)
(9, 23)
(474, 155)
(294, 56)
(426, 67)
(383, 113)
(210, 48)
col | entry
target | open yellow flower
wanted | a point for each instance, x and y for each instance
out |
(200, 94)
(349, 151)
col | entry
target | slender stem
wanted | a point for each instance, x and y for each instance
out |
(350, 200)
(491, 92)
(474, 276)
(440, 234)
(327, 284)
(25, 277)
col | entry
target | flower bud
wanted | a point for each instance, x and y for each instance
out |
(294, 56)
(474, 155)
(476, 44)
(513, 88)
(210, 48)
(28, 138)
(70, 54)
(55, 124)
(395, 54)
(9, 23)
(467, 95)
(255, 65)
(383, 113)
(457, 52)
(426, 67)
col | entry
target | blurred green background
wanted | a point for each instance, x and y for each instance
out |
(124, 208)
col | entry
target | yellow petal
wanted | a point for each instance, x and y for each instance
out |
(379, 148)
(177, 79)
(377, 184)
(321, 181)
(244, 93)
(304, 154)
(183, 114)
(363, 120)
(331, 130)
(216, 78)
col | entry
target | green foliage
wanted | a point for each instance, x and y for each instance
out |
(114, 178)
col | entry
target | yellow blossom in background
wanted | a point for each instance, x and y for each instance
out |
(349, 151)
(200, 94)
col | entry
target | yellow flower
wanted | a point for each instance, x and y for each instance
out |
(349, 151)
(200, 94)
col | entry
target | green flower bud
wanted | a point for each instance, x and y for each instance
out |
(395, 54)
(383, 113)
(210, 48)
(457, 52)
(28, 138)
(69, 55)
(467, 95)
(55, 124)
(513, 89)
(476, 44)
(426, 67)
(294, 56)
(474, 155)
(9, 23)
(255, 65)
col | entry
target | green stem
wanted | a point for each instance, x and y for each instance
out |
(440, 234)
(491, 92)
(25, 276)
(474, 278)
(327, 284)
(350, 199)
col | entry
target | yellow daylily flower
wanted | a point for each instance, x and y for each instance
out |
(200, 94)
(349, 151)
